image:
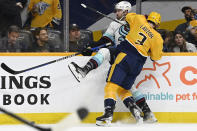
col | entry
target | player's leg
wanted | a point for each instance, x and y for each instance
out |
(140, 100)
(80, 72)
(133, 64)
(111, 92)
(109, 104)
(118, 74)
(136, 62)
(129, 102)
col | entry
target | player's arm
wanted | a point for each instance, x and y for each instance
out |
(102, 41)
(108, 37)
(156, 49)
(94, 46)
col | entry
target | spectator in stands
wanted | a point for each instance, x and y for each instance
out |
(75, 42)
(42, 42)
(193, 32)
(168, 40)
(185, 27)
(187, 10)
(9, 43)
(181, 45)
(45, 13)
(192, 29)
(10, 14)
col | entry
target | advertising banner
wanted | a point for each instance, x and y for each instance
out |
(169, 85)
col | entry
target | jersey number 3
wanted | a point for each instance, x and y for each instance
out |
(141, 42)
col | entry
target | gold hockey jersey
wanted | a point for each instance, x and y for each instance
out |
(44, 11)
(143, 37)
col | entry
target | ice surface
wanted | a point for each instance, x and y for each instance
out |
(114, 127)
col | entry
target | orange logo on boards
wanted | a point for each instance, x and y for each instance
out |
(151, 76)
(183, 75)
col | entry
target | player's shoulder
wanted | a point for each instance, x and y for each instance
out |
(157, 35)
(135, 15)
(131, 14)
(116, 23)
(140, 15)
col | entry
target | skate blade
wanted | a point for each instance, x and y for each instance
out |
(139, 121)
(103, 123)
(150, 121)
(71, 68)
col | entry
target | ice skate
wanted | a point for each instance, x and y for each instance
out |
(105, 120)
(77, 71)
(136, 112)
(149, 117)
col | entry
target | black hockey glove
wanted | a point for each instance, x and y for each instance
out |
(86, 51)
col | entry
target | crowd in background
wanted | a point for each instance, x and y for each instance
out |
(184, 37)
(40, 32)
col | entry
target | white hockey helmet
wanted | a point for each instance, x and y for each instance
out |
(124, 5)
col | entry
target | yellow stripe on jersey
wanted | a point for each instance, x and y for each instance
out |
(143, 37)
(117, 61)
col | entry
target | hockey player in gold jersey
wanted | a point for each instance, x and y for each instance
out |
(141, 41)
(45, 12)
(143, 37)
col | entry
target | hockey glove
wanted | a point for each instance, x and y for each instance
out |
(87, 52)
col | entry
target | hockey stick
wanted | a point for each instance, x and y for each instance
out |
(102, 46)
(94, 10)
(24, 121)
(14, 72)
(70, 121)
(11, 71)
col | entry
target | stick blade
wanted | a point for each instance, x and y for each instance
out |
(8, 69)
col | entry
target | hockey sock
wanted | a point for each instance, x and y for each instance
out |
(109, 103)
(128, 100)
(143, 105)
(92, 64)
(96, 60)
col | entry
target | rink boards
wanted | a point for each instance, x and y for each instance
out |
(49, 93)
